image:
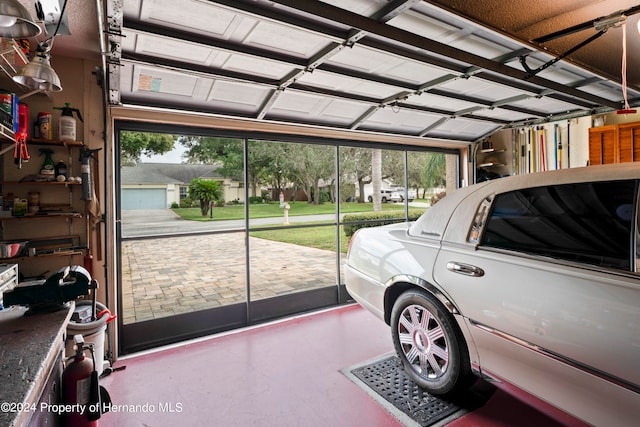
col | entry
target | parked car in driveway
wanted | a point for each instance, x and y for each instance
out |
(531, 282)
(385, 196)
(398, 195)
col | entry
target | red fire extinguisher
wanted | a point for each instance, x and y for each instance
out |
(80, 388)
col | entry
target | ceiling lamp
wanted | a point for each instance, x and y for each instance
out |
(16, 22)
(38, 74)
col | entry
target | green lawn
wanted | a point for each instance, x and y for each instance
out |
(270, 210)
(315, 237)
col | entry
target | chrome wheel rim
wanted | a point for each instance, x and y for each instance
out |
(423, 342)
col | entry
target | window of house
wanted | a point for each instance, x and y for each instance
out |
(585, 222)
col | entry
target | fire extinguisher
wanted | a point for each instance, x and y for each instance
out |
(80, 388)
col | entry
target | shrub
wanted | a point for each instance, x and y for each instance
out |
(174, 205)
(255, 199)
(376, 219)
(436, 198)
(325, 197)
(186, 202)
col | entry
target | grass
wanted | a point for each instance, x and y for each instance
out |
(314, 237)
(271, 210)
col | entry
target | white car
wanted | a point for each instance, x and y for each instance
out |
(398, 194)
(531, 282)
(385, 196)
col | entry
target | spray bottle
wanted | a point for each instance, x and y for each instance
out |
(66, 123)
(48, 168)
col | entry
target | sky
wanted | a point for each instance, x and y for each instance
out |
(173, 156)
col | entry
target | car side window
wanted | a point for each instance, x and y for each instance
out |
(587, 222)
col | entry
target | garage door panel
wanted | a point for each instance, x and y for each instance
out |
(144, 198)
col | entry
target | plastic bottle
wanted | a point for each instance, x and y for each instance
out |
(66, 122)
(61, 171)
(48, 168)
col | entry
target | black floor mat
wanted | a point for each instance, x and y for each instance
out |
(387, 378)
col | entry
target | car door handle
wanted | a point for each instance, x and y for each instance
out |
(466, 269)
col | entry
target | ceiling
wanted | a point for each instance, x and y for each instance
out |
(449, 70)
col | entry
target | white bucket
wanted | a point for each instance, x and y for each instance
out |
(92, 333)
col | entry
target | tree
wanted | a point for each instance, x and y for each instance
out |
(416, 163)
(355, 165)
(135, 144)
(313, 164)
(205, 190)
(434, 172)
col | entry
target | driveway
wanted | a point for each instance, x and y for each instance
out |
(197, 271)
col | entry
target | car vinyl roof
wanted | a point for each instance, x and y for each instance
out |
(451, 217)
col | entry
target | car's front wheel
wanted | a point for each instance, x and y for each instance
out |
(430, 344)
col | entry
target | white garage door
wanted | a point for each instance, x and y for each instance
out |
(147, 198)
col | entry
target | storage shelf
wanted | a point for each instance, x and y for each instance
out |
(8, 137)
(55, 142)
(491, 165)
(12, 57)
(35, 257)
(43, 216)
(39, 183)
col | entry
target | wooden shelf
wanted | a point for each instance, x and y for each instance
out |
(53, 254)
(55, 142)
(40, 183)
(8, 137)
(43, 216)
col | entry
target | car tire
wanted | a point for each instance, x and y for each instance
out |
(432, 348)
(384, 200)
(370, 199)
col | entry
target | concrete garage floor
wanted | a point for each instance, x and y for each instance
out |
(287, 373)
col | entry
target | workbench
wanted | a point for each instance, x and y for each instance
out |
(31, 363)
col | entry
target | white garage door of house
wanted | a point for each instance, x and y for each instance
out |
(147, 198)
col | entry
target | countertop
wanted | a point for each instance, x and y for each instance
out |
(29, 346)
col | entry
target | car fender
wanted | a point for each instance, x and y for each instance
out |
(402, 282)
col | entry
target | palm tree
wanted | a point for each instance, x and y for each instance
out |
(206, 191)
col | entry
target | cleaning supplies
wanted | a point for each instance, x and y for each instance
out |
(66, 123)
(45, 127)
(48, 169)
(61, 171)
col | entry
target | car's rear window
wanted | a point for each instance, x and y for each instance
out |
(587, 222)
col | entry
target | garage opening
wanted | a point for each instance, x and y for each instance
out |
(218, 231)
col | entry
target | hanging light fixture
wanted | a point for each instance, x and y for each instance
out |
(38, 74)
(16, 22)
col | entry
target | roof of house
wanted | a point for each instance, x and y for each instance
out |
(166, 173)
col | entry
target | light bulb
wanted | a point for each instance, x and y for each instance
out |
(7, 20)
